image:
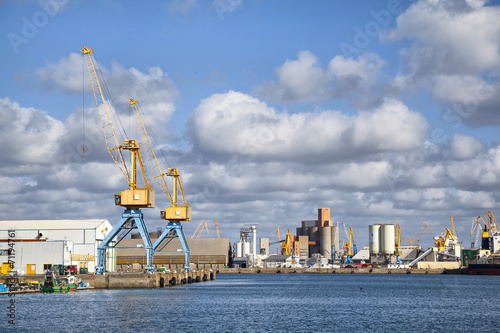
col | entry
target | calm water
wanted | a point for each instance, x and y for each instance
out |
(273, 303)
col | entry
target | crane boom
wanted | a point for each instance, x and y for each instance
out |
(176, 212)
(217, 228)
(110, 137)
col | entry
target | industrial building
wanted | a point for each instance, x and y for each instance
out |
(36, 245)
(318, 236)
(204, 253)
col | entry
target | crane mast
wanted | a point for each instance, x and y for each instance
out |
(134, 197)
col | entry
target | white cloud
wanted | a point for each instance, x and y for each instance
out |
(304, 79)
(466, 147)
(237, 124)
(29, 136)
(450, 37)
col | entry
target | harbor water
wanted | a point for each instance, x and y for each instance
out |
(273, 303)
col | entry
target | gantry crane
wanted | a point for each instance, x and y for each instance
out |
(178, 212)
(132, 199)
(477, 227)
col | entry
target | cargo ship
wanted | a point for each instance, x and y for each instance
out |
(486, 265)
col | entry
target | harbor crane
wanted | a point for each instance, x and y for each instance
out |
(217, 228)
(349, 247)
(202, 225)
(441, 241)
(397, 244)
(412, 238)
(476, 226)
(132, 199)
(179, 211)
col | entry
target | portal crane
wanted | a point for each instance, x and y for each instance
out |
(178, 212)
(287, 246)
(349, 247)
(132, 199)
(398, 244)
(441, 241)
(476, 226)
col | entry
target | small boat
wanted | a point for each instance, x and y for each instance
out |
(62, 284)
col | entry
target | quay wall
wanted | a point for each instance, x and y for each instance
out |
(130, 280)
(364, 270)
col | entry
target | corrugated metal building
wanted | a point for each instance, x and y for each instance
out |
(35, 245)
(205, 253)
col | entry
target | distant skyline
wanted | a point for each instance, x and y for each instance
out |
(379, 110)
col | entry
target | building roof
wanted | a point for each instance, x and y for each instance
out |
(363, 254)
(277, 258)
(197, 246)
(50, 224)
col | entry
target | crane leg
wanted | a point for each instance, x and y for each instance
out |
(127, 215)
(177, 226)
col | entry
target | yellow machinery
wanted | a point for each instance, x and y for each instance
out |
(412, 238)
(397, 244)
(349, 247)
(287, 245)
(202, 225)
(441, 241)
(278, 233)
(134, 197)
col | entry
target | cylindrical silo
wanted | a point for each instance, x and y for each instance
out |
(246, 248)
(336, 238)
(387, 240)
(325, 241)
(239, 250)
(374, 244)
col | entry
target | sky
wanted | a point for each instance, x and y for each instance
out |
(382, 111)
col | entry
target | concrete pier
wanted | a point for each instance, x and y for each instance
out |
(132, 280)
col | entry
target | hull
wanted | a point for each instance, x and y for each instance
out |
(484, 266)
(69, 287)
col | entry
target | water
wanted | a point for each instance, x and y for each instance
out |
(273, 303)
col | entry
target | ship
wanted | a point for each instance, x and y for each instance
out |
(486, 265)
(65, 283)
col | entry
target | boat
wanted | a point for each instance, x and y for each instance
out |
(486, 265)
(62, 284)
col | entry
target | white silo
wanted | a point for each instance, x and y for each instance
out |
(374, 238)
(239, 249)
(246, 249)
(387, 242)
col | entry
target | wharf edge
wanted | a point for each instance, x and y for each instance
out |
(341, 271)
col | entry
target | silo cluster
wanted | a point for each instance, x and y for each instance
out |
(318, 236)
(382, 245)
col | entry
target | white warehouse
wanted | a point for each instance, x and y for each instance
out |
(35, 245)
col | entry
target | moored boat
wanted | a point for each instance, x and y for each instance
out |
(63, 284)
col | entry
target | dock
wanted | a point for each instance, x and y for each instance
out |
(357, 270)
(125, 280)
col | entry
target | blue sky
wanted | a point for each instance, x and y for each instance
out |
(380, 110)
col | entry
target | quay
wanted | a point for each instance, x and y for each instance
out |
(125, 280)
(357, 270)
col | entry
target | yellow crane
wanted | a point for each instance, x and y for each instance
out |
(412, 238)
(441, 241)
(134, 197)
(491, 223)
(179, 211)
(217, 228)
(287, 245)
(349, 247)
(397, 245)
(453, 228)
(202, 225)
(278, 233)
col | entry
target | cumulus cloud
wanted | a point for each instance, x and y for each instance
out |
(304, 79)
(450, 37)
(234, 123)
(465, 147)
(153, 89)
